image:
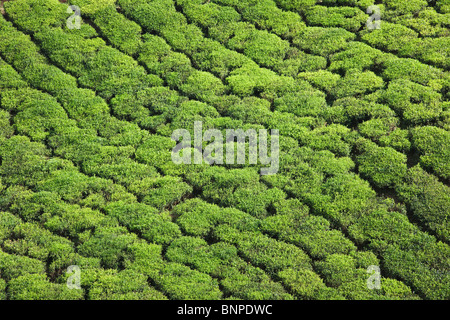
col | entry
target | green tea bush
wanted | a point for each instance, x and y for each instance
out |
(322, 79)
(268, 253)
(2, 289)
(337, 269)
(311, 233)
(427, 22)
(348, 18)
(9, 78)
(158, 57)
(87, 179)
(301, 103)
(251, 79)
(434, 51)
(410, 69)
(5, 126)
(160, 192)
(144, 258)
(384, 166)
(13, 266)
(428, 280)
(253, 284)
(8, 223)
(203, 86)
(390, 36)
(36, 242)
(251, 110)
(32, 118)
(37, 14)
(380, 228)
(307, 284)
(180, 282)
(404, 7)
(443, 6)
(124, 285)
(434, 145)
(416, 103)
(343, 199)
(22, 161)
(397, 139)
(357, 55)
(428, 199)
(323, 41)
(109, 244)
(154, 226)
(350, 110)
(199, 218)
(296, 5)
(38, 287)
(123, 33)
(362, 4)
(216, 260)
(329, 137)
(355, 83)
(378, 127)
(267, 15)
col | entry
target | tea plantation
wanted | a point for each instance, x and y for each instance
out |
(86, 172)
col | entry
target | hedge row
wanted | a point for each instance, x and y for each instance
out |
(266, 49)
(349, 203)
(282, 260)
(418, 16)
(360, 201)
(114, 238)
(428, 199)
(342, 85)
(398, 38)
(94, 250)
(401, 23)
(67, 188)
(90, 153)
(125, 152)
(355, 82)
(109, 244)
(241, 74)
(433, 144)
(46, 208)
(95, 156)
(72, 186)
(55, 40)
(301, 98)
(237, 277)
(411, 48)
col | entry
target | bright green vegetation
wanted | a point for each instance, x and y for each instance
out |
(86, 176)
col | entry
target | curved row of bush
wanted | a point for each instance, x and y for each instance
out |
(394, 67)
(281, 259)
(389, 140)
(402, 22)
(91, 246)
(124, 151)
(94, 235)
(71, 186)
(147, 224)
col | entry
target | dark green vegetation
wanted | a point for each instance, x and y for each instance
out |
(86, 176)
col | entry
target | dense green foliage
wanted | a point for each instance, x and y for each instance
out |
(87, 179)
